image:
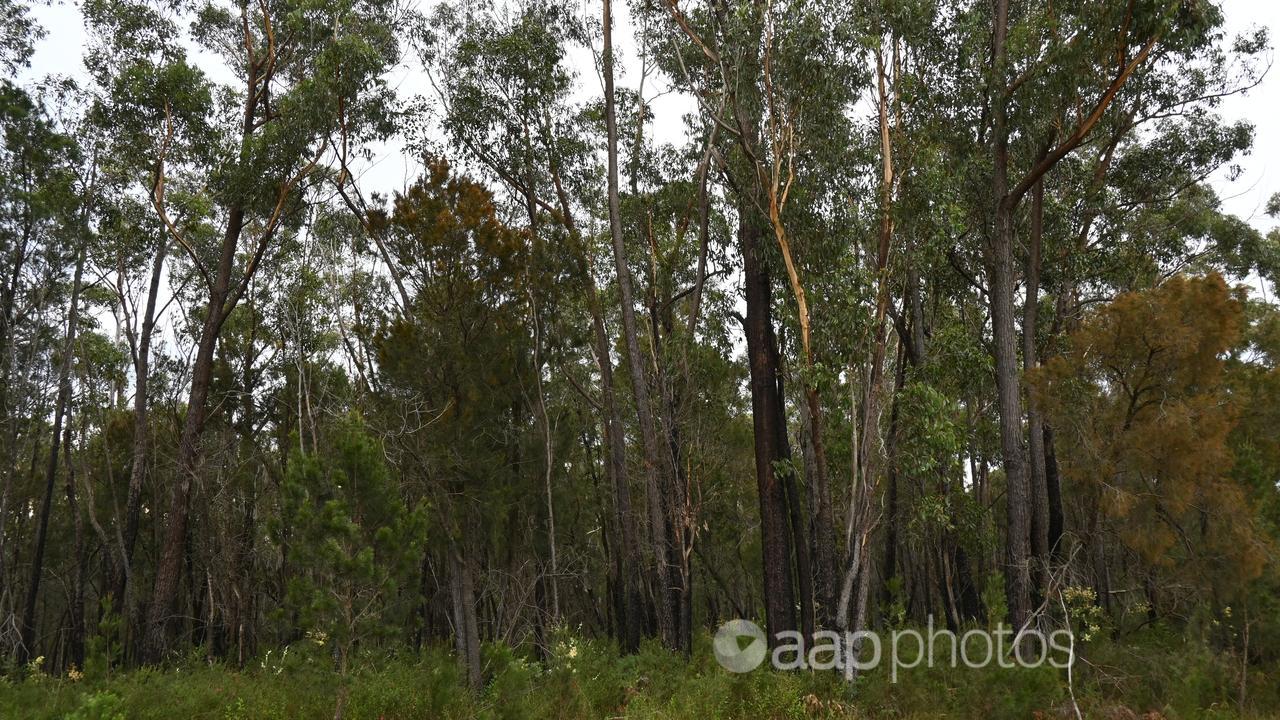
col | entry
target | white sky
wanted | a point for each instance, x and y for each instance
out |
(60, 53)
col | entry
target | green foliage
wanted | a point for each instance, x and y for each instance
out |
(896, 613)
(350, 539)
(102, 705)
(995, 600)
(435, 355)
(104, 649)
(21, 32)
(1155, 671)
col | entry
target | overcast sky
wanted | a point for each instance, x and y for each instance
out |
(60, 53)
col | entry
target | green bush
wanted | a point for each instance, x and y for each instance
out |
(1174, 675)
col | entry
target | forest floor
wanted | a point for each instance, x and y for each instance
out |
(1150, 676)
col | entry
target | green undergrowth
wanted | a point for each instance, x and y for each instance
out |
(1150, 676)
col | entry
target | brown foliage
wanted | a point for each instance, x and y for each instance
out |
(1144, 417)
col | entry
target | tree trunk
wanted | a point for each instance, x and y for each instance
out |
(155, 640)
(141, 427)
(822, 538)
(7, 415)
(548, 459)
(222, 301)
(658, 530)
(28, 629)
(75, 631)
(999, 260)
(799, 539)
(1053, 487)
(629, 560)
(628, 555)
(466, 629)
(762, 358)
(1035, 419)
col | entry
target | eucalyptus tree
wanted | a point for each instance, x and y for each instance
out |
(19, 41)
(151, 106)
(766, 79)
(710, 38)
(299, 71)
(505, 86)
(656, 475)
(47, 190)
(1053, 79)
(34, 183)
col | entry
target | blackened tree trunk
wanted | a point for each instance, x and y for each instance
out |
(766, 410)
(75, 630)
(795, 513)
(466, 628)
(8, 418)
(1053, 487)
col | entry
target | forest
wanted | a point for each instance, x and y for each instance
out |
(482, 358)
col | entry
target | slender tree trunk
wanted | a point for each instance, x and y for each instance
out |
(76, 630)
(1053, 487)
(999, 260)
(799, 539)
(659, 531)
(466, 628)
(873, 390)
(1035, 419)
(61, 407)
(628, 551)
(548, 462)
(891, 546)
(629, 556)
(822, 538)
(8, 418)
(141, 426)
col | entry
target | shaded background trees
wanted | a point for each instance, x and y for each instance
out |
(905, 311)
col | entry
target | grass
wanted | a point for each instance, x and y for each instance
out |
(1156, 675)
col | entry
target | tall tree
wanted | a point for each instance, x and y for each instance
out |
(300, 75)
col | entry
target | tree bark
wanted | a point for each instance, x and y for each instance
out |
(28, 629)
(466, 629)
(999, 260)
(653, 465)
(1053, 487)
(76, 629)
(8, 418)
(822, 538)
(1035, 419)
(766, 409)
(141, 426)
